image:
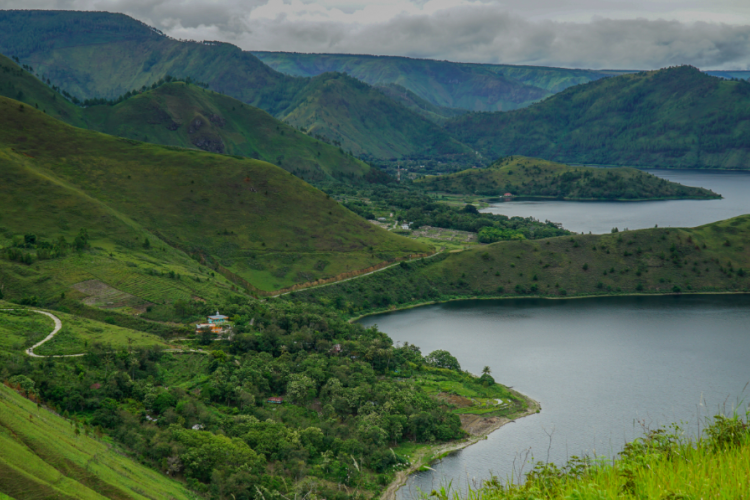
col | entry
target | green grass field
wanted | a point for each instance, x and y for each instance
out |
(44, 457)
(522, 176)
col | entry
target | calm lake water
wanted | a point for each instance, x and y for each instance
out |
(599, 367)
(601, 217)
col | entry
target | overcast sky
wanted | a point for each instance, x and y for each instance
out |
(634, 34)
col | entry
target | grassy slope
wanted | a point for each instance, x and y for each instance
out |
(522, 176)
(676, 117)
(662, 464)
(434, 113)
(649, 261)
(443, 83)
(215, 122)
(251, 217)
(17, 83)
(22, 328)
(203, 119)
(105, 55)
(365, 121)
(43, 458)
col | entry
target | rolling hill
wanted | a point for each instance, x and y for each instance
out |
(676, 117)
(705, 259)
(247, 221)
(522, 176)
(184, 115)
(102, 55)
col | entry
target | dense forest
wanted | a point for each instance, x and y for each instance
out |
(349, 396)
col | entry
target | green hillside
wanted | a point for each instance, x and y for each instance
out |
(522, 176)
(341, 108)
(184, 115)
(103, 55)
(254, 222)
(178, 114)
(44, 456)
(432, 112)
(676, 117)
(442, 83)
(19, 84)
(705, 259)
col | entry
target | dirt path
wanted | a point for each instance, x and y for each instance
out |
(355, 277)
(430, 454)
(58, 326)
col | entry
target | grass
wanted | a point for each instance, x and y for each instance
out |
(522, 176)
(20, 329)
(252, 221)
(43, 457)
(467, 395)
(662, 464)
(78, 333)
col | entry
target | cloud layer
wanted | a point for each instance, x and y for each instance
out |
(458, 30)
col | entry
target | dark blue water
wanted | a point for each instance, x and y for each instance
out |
(602, 369)
(601, 217)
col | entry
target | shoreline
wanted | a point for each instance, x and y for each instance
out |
(432, 454)
(558, 297)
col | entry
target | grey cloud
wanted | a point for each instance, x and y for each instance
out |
(472, 33)
(488, 34)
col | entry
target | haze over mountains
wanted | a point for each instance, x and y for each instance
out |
(388, 108)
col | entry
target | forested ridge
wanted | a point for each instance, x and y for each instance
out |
(523, 176)
(675, 117)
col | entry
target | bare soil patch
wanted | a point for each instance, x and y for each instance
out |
(100, 294)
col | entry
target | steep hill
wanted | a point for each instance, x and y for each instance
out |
(179, 114)
(184, 115)
(676, 117)
(250, 220)
(44, 456)
(522, 176)
(102, 55)
(710, 258)
(366, 121)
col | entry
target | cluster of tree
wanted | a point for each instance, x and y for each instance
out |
(30, 248)
(349, 397)
(132, 93)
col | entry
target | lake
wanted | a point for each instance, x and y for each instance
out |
(600, 217)
(601, 368)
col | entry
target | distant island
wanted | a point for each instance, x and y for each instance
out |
(533, 177)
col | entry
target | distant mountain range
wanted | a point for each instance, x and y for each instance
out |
(379, 108)
(677, 117)
(103, 55)
(473, 87)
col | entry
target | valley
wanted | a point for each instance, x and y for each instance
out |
(262, 275)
